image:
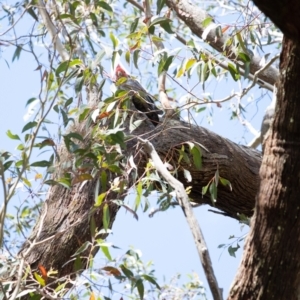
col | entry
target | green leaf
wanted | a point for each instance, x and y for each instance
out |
(30, 101)
(139, 191)
(136, 54)
(114, 40)
(167, 26)
(94, 19)
(207, 21)
(232, 250)
(50, 182)
(29, 125)
(106, 252)
(41, 163)
(165, 65)
(197, 157)
(7, 165)
(103, 181)
(134, 25)
(140, 287)
(205, 188)
(100, 199)
(63, 67)
(21, 147)
(244, 57)
(225, 182)
(84, 113)
(12, 136)
(79, 83)
(190, 63)
(82, 248)
(217, 177)
(106, 6)
(65, 117)
(19, 163)
(82, 177)
(127, 56)
(183, 155)
(241, 42)
(106, 216)
(247, 69)
(163, 22)
(66, 16)
(160, 4)
(134, 124)
(233, 72)
(151, 280)
(126, 272)
(93, 226)
(17, 52)
(74, 135)
(118, 138)
(39, 279)
(50, 80)
(204, 72)
(66, 182)
(32, 13)
(181, 69)
(77, 263)
(68, 102)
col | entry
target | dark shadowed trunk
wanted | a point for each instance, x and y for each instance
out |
(270, 268)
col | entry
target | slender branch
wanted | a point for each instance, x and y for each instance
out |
(163, 97)
(185, 204)
(257, 73)
(52, 30)
(193, 17)
(255, 142)
(15, 23)
(5, 202)
(262, 82)
(19, 279)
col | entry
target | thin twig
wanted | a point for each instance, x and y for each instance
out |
(185, 204)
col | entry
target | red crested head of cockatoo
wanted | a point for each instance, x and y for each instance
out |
(120, 72)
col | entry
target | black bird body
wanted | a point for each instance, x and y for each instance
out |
(142, 100)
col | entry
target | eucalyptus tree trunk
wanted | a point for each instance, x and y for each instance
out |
(270, 267)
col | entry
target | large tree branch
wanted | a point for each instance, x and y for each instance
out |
(194, 16)
(238, 164)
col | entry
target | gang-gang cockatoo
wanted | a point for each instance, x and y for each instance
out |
(142, 100)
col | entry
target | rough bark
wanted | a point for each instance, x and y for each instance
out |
(270, 268)
(239, 164)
